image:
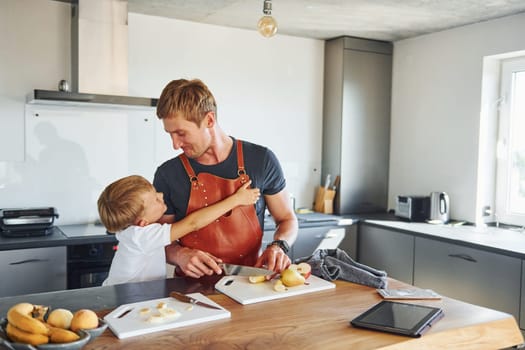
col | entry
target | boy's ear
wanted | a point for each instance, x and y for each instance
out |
(141, 222)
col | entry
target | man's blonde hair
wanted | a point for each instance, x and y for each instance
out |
(190, 99)
(121, 204)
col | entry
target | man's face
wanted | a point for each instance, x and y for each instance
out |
(192, 139)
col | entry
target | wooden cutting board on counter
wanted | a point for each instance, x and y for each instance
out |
(134, 319)
(241, 290)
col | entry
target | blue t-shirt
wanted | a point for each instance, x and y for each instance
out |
(260, 164)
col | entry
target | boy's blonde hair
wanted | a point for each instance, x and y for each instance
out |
(120, 204)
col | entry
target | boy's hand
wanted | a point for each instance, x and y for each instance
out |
(247, 195)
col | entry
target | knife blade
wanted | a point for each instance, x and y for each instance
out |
(186, 299)
(241, 270)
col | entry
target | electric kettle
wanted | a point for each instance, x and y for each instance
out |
(439, 207)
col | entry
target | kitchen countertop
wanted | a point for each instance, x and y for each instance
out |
(500, 240)
(61, 236)
(312, 220)
(64, 235)
(285, 323)
(56, 238)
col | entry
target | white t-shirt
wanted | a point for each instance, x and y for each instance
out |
(140, 255)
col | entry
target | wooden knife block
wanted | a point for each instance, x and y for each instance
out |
(324, 200)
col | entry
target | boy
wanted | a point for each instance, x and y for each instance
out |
(130, 208)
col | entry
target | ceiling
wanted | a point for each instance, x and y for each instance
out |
(388, 20)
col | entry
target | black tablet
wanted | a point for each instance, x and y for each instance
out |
(400, 318)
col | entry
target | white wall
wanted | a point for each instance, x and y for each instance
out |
(34, 44)
(269, 91)
(436, 112)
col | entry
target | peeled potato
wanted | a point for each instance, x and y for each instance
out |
(278, 286)
(257, 279)
(84, 319)
(292, 278)
(60, 318)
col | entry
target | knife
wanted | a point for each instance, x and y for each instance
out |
(241, 270)
(186, 299)
(327, 181)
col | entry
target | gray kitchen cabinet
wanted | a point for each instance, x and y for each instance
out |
(472, 275)
(349, 242)
(356, 122)
(310, 238)
(26, 271)
(387, 250)
(522, 308)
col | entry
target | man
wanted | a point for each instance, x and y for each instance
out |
(212, 166)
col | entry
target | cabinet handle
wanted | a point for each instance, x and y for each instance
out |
(28, 261)
(327, 235)
(331, 235)
(464, 257)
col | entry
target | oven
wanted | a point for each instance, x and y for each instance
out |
(88, 264)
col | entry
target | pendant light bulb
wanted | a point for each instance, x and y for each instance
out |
(267, 25)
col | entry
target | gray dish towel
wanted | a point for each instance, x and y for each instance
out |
(332, 264)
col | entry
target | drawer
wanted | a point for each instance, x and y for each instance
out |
(26, 271)
(472, 275)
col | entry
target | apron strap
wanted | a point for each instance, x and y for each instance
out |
(240, 163)
(241, 171)
(189, 170)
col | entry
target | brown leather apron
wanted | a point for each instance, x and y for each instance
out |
(234, 237)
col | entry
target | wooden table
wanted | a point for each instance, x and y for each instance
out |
(312, 321)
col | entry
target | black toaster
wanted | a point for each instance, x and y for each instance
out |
(24, 222)
(413, 208)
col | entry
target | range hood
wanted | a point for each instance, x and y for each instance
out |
(64, 98)
(99, 59)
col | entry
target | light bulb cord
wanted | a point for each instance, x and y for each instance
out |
(267, 7)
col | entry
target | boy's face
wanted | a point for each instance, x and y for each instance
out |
(154, 206)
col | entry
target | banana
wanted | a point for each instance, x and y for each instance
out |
(19, 336)
(39, 312)
(60, 335)
(25, 322)
(25, 308)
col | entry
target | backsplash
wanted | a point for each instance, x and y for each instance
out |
(72, 153)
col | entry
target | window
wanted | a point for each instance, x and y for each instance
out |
(510, 183)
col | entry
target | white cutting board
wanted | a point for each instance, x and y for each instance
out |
(241, 290)
(135, 322)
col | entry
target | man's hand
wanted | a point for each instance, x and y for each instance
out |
(193, 262)
(273, 258)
